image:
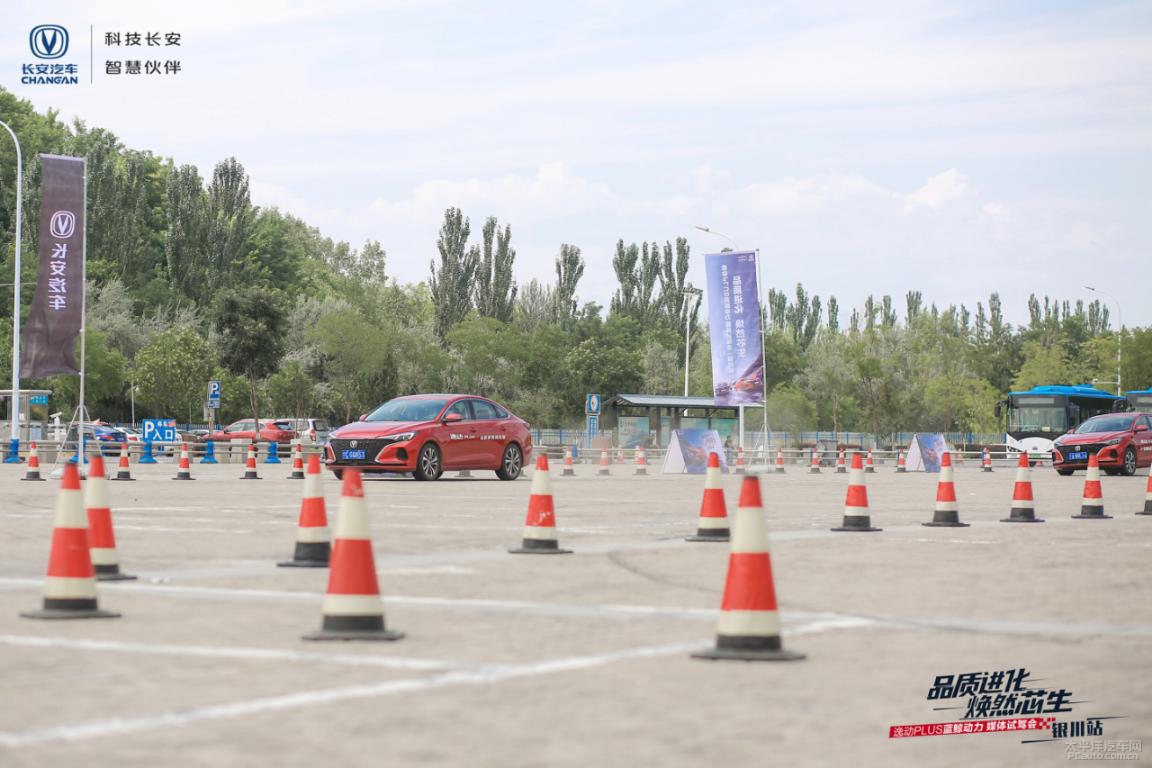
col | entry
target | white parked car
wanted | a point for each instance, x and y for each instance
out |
(310, 431)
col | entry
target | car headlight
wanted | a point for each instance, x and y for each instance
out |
(398, 438)
(1115, 441)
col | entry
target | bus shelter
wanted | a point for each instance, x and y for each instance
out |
(649, 420)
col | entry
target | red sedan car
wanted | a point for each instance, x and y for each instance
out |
(1122, 442)
(428, 434)
(271, 431)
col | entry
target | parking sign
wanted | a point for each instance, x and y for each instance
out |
(214, 393)
(159, 431)
(592, 404)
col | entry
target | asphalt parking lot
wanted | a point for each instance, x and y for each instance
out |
(580, 660)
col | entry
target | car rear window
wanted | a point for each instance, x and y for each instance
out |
(484, 409)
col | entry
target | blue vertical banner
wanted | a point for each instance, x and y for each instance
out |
(734, 322)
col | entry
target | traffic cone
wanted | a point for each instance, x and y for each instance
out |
(33, 470)
(312, 538)
(870, 467)
(814, 469)
(856, 516)
(740, 468)
(1023, 510)
(641, 463)
(540, 527)
(184, 472)
(749, 625)
(124, 471)
(713, 525)
(101, 537)
(353, 609)
(250, 465)
(986, 462)
(1147, 496)
(605, 466)
(1092, 506)
(70, 586)
(568, 470)
(947, 514)
(619, 455)
(840, 468)
(780, 461)
(901, 466)
(297, 463)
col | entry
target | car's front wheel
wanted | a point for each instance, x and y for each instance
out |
(1130, 461)
(512, 463)
(428, 466)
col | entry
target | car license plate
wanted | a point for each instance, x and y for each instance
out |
(348, 455)
(1072, 455)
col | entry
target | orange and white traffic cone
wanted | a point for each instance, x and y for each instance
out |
(749, 625)
(1092, 506)
(569, 470)
(33, 470)
(856, 514)
(986, 462)
(184, 472)
(1147, 496)
(1023, 508)
(740, 468)
(814, 467)
(780, 461)
(901, 465)
(101, 536)
(70, 586)
(313, 545)
(540, 525)
(353, 609)
(840, 467)
(869, 467)
(124, 470)
(250, 465)
(947, 514)
(605, 465)
(297, 462)
(641, 463)
(713, 525)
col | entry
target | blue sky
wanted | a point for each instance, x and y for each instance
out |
(954, 148)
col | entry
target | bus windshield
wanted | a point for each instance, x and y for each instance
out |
(1047, 418)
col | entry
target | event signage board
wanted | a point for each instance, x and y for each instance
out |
(734, 322)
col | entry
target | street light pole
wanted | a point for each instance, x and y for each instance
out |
(710, 231)
(1119, 335)
(688, 291)
(13, 456)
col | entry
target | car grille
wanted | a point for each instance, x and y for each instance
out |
(369, 446)
(1089, 448)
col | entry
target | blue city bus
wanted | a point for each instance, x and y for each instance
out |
(1039, 415)
(1140, 400)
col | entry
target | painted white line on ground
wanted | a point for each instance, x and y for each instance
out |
(165, 529)
(226, 652)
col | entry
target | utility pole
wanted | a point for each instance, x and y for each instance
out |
(13, 456)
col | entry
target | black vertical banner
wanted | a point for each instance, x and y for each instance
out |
(48, 342)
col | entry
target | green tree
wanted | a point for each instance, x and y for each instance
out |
(451, 282)
(103, 380)
(569, 270)
(495, 288)
(171, 374)
(251, 324)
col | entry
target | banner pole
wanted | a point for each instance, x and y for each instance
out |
(82, 458)
(14, 410)
(763, 358)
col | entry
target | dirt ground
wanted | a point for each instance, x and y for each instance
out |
(581, 660)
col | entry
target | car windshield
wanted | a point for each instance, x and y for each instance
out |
(407, 409)
(1105, 424)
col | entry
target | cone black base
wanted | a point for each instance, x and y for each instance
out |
(183, 477)
(702, 536)
(900, 470)
(748, 649)
(111, 573)
(1147, 508)
(841, 471)
(739, 471)
(856, 523)
(870, 471)
(641, 472)
(70, 608)
(814, 471)
(1091, 516)
(567, 473)
(250, 476)
(34, 479)
(354, 628)
(603, 473)
(987, 469)
(309, 554)
(121, 479)
(528, 550)
(296, 476)
(1027, 516)
(945, 524)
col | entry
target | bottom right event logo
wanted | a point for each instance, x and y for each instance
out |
(1002, 701)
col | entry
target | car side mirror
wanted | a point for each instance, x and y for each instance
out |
(363, 416)
(1141, 428)
(452, 418)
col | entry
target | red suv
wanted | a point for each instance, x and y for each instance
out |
(1121, 441)
(428, 434)
(270, 431)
